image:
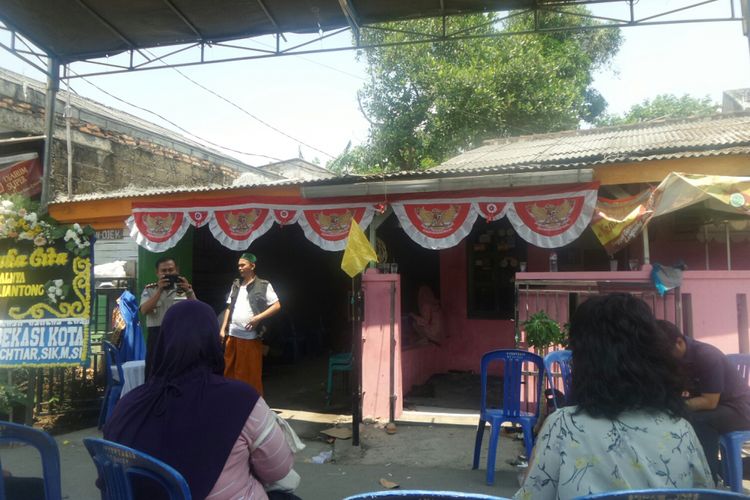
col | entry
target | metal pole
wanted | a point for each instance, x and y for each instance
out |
(373, 240)
(356, 304)
(705, 243)
(69, 142)
(729, 246)
(745, 10)
(646, 251)
(392, 381)
(53, 85)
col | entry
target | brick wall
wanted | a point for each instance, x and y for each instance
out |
(116, 152)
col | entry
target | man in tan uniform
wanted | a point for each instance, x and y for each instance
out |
(158, 297)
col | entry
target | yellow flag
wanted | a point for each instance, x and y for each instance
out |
(358, 252)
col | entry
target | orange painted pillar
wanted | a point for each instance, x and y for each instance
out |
(381, 310)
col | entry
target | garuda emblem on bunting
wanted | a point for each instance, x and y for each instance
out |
(158, 226)
(552, 216)
(239, 224)
(437, 218)
(332, 223)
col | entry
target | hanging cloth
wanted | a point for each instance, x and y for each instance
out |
(132, 346)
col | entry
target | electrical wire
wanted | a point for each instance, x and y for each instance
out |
(243, 110)
(181, 129)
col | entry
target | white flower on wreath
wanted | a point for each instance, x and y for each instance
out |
(55, 291)
(40, 240)
(30, 217)
(77, 228)
(25, 235)
(70, 235)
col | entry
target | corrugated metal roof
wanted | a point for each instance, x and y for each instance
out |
(138, 192)
(689, 137)
(720, 135)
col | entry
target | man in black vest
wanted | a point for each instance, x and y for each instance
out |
(251, 300)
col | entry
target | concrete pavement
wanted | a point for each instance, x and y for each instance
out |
(416, 457)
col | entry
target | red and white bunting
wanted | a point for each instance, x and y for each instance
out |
(286, 216)
(237, 225)
(237, 228)
(548, 217)
(199, 218)
(541, 217)
(553, 221)
(329, 227)
(436, 224)
(158, 231)
(492, 210)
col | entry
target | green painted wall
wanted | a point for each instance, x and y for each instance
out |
(183, 255)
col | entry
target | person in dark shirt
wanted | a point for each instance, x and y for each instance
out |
(718, 397)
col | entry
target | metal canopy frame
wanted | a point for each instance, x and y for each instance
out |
(106, 49)
(205, 51)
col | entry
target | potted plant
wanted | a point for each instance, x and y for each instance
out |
(543, 332)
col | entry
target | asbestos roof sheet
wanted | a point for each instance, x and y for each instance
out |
(691, 137)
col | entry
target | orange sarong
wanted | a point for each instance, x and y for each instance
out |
(243, 360)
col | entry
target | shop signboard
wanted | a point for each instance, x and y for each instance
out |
(21, 174)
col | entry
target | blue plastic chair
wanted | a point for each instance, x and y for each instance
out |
(117, 465)
(114, 384)
(422, 495)
(48, 450)
(513, 360)
(664, 494)
(731, 442)
(563, 359)
(341, 362)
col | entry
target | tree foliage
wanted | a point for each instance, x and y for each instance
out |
(428, 101)
(663, 106)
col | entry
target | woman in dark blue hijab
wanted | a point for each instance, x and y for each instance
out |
(187, 414)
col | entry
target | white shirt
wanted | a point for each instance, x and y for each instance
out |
(242, 313)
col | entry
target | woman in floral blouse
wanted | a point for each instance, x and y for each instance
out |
(625, 430)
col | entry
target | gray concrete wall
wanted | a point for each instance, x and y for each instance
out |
(113, 150)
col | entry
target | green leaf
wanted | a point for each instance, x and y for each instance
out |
(429, 101)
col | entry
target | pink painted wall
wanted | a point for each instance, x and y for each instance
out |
(465, 339)
(713, 299)
(376, 345)
(713, 295)
(419, 363)
(714, 303)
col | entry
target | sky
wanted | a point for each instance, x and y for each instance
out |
(312, 99)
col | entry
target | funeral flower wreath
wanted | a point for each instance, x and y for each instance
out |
(19, 221)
